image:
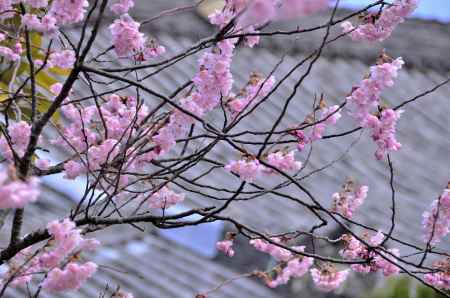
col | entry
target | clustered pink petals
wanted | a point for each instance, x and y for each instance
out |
(328, 279)
(248, 170)
(436, 222)
(153, 50)
(68, 12)
(379, 260)
(290, 9)
(88, 126)
(259, 12)
(165, 198)
(365, 99)
(63, 59)
(15, 193)
(329, 116)
(291, 265)
(17, 273)
(379, 28)
(70, 278)
(256, 89)
(383, 132)
(294, 268)
(349, 199)
(283, 162)
(279, 253)
(226, 246)
(19, 136)
(440, 278)
(45, 24)
(11, 53)
(127, 39)
(122, 7)
(66, 242)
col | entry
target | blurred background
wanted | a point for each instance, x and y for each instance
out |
(184, 262)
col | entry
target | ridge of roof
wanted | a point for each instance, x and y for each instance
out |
(420, 42)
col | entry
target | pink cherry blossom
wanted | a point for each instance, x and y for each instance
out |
(19, 136)
(63, 59)
(18, 273)
(258, 12)
(380, 260)
(15, 193)
(328, 279)
(279, 253)
(70, 278)
(294, 268)
(436, 221)
(127, 39)
(296, 8)
(366, 98)
(379, 28)
(165, 198)
(383, 132)
(153, 50)
(225, 246)
(248, 170)
(441, 278)
(283, 162)
(351, 198)
(257, 88)
(122, 7)
(68, 12)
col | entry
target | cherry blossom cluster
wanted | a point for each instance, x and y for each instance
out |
(127, 40)
(377, 261)
(256, 89)
(250, 168)
(294, 268)
(16, 193)
(122, 6)
(59, 13)
(16, 141)
(349, 199)
(440, 278)
(365, 99)
(165, 198)
(226, 245)
(259, 12)
(11, 52)
(212, 81)
(57, 258)
(290, 266)
(328, 278)
(329, 116)
(436, 222)
(63, 59)
(251, 14)
(100, 133)
(70, 278)
(378, 27)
